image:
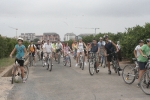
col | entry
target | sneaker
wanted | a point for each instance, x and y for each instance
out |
(45, 64)
(76, 65)
(138, 85)
(97, 69)
(109, 71)
(24, 81)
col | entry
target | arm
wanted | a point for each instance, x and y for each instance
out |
(12, 52)
(115, 45)
(135, 53)
(84, 45)
(25, 54)
(141, 52)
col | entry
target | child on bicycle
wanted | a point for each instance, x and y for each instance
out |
(142, 58)
(21, 53)
(66, 51)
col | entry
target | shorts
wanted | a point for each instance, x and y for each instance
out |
(33, 54)
(20, 62)
(58, 50)
(109, 58)
(80, 50)
(142, 65)
(45, 54)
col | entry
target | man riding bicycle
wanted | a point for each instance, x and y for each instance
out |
(95, 49)
(21, 53)
(59, 48)
(101, 44)
(109, 47)
(47, 50)
(32, 50)
(142, 58)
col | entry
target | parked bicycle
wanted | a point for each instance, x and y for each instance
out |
(145, 79)
(17, 72)
(130, 72)
(93, 63)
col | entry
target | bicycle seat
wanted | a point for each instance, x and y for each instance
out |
(134, 59)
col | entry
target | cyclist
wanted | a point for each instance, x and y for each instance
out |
(66, 51)
(42, 49)
(80, 49)
(38, 45)
(136, 50)
(21, 53)
(54, 50)
(109, 47)
(95, 49)
(32, 50)
(142, 58)
(59, 48)
(48, 49)
(101, 44)
(74, 47)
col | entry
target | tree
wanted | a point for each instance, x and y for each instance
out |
(36, 40)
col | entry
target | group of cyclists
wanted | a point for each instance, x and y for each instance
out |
(102, 48)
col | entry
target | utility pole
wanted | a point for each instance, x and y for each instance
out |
(16, 30)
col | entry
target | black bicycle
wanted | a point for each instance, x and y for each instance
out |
(115, 64)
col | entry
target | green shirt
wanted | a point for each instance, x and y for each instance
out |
(146, 51)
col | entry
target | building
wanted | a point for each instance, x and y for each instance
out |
(52, 36)
(40, 37)
(28, 36)
(69, 36)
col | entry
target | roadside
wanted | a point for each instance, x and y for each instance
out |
(5, 62)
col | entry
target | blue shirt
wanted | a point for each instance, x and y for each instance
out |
(94, 48)
(20, 51)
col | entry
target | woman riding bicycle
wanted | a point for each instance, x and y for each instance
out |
(66, 50)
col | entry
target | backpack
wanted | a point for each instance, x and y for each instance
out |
(32, 48)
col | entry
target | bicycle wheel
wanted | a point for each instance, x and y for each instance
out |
(82, 63)
(69, 61)
(59, 58)
(117, 69)
(128, 74)
(91, 68)
(13, 75)
(50, 65)
(43, 63)
(26, 72)
(145, 82)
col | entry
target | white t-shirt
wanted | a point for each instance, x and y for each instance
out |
(47, 48)
(80, 46)
(137, 50)
(59, 46)
(119, 47)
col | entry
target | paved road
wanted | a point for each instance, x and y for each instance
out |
(65, 83)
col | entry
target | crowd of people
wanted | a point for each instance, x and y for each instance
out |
(103, 47)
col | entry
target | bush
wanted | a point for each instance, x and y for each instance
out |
(7, 45)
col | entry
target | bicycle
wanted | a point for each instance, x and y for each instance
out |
(67, 60)
(114, 63)
(17, 72)
(49, 62)
(145, 79)
(30, 59)
(81, 61)
(38, 54)
(58, 57)
(93, 61)
(130, 72)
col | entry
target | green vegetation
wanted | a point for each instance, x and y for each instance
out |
(128, 39)
(7, 45)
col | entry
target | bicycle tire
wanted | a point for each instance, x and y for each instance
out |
(69, 62)
(131, 73)
(82, 63)
(58, 58)
(145, 83)
(91, 69)
(50, 66)
(26, 71)
(47, 64)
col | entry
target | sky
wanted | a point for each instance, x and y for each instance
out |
(67, 16)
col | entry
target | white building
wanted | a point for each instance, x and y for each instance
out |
(69, 36)
(28, 36)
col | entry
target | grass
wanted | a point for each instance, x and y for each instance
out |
(5, 62)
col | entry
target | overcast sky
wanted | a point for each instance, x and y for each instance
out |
(62, 16)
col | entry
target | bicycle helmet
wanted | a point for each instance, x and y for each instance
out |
(148, 40)
(20, 39)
